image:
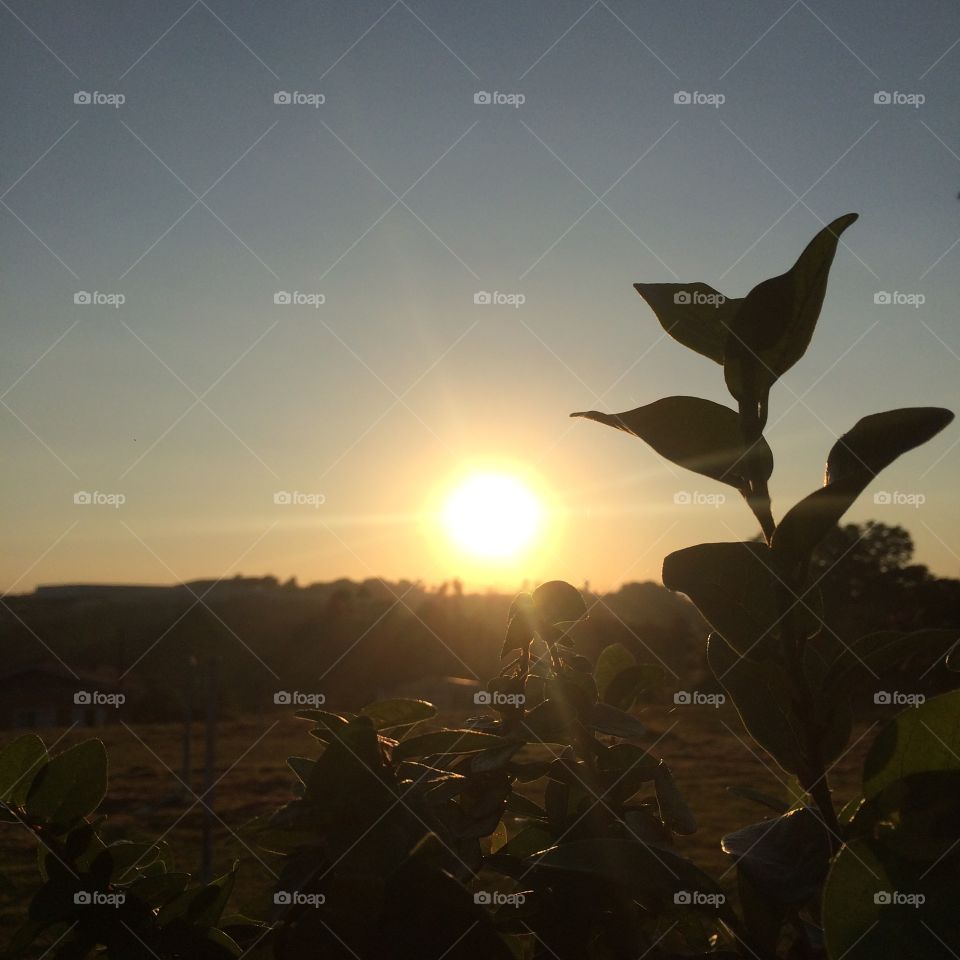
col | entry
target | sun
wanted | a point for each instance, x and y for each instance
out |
(492, 515)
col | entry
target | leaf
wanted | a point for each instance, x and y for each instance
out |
(785, 857)
(301, 766)
(528, 841)
(201, 905)
(616, 723)
(20, 761)
(498, 838)
(520, 625)
(398, 713)
(70, 786)
(625, 688)
(673, 808)
(849, 907)
(557, 601)
(446, 742)
(773, 327)
(855, 459)
(697, 434)
(734, 586)
(918, 740)
(694, 314)
(640, 867)
(762, 694)
(612, 660)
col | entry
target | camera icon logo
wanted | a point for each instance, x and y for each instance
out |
(482, 698)
(481, 97)
(82, 698)
(682, 96)
(482, 298)
(882, 97)
(82, 898)
(682, 498)
(882, 698)
(282, 298)
(483, 898)
(882, 898)
(682, 898)
(281, 97)
(82, 298)
(82, 498)
(882, 498)
(283, 697)
(282, 898)
(283, 498)
(682, 297)
(882, 298)
(682, 697)
(82, 97)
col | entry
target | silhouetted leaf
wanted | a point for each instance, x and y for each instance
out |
(919, 740)
(772, 328)
(625, 688)
(617, 723)
(70, 786)
(785, 857)
(20, 761)
(673, 808)
(850, 909)
(855, 459)
(443, 742)
(734, 586)
(612, 660)
(697, 434)
(557, 601)
(640, 867)
(398, 713)
(694, 314)
(762, 694)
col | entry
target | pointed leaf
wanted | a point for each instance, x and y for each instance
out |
(855, 459)
(693, 313)
(70, 786)
(734, 586)
(398, 713)
(694, 433)
(557, 601)
(773, 327)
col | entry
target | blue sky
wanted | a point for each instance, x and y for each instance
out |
(399, 198)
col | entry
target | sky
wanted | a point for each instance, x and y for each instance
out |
(181, 200)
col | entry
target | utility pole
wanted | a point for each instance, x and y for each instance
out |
(210, 755)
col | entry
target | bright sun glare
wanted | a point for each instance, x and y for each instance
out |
(492, 515)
